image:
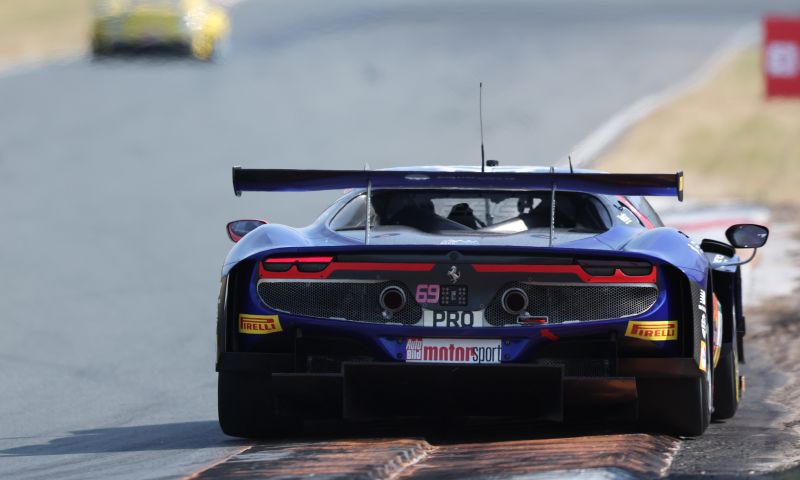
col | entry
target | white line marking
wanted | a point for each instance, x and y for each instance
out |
(590, 148)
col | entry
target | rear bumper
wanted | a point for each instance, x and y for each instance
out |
(365, 390)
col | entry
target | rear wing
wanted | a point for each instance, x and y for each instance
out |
(291, 180)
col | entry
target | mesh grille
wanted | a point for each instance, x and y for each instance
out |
(563, 303)
(356, 301)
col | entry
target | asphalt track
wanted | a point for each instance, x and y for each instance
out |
(115, 184)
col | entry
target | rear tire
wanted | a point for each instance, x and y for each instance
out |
(245, 407)
(726, 383)
(678, 406)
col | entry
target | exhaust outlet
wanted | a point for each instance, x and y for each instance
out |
(514, 301)
(392, 299)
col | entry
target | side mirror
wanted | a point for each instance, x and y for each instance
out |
(747, 235)
(239, 228)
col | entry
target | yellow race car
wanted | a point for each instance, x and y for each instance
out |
(197, 27)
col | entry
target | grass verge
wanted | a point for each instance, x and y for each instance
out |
(730, 141)
(35, 29)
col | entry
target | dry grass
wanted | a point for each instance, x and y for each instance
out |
(35, 29)
(730, 141)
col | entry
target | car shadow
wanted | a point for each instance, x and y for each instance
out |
(207, 434)
(444, 431)
(167, 436)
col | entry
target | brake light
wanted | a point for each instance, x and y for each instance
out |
(589, 271)
(300, 260)
(607, 268)
(303, 264)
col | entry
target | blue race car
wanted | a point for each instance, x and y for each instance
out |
(456, 292)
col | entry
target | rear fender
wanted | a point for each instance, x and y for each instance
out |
(726, 279)
(727, 283)
(673, 247)
(235, 293)
(228, 307)
(265, 237)
(692, 300)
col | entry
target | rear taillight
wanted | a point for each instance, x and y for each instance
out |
(303, 264)
(311, 267)
(607, 268)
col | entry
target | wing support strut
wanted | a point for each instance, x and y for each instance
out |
(369, 210)
(552, 209)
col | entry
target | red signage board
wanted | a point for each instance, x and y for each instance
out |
(782, 56)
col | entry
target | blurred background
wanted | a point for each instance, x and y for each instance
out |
(120, 121)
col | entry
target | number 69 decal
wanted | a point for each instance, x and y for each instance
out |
(427, 293)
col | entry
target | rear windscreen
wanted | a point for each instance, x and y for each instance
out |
(443, 211)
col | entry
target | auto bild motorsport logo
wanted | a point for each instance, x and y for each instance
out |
(654, 331)
(448, 350)
(259, 324)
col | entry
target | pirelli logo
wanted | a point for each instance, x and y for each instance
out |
(655, 331)
(259, 324)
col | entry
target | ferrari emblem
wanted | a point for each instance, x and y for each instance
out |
(453, 274)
